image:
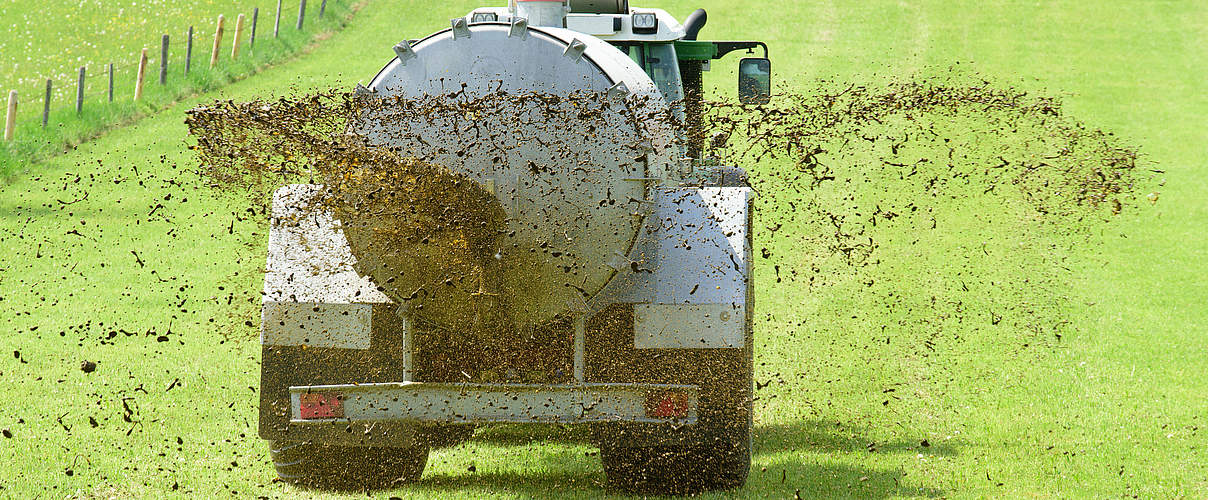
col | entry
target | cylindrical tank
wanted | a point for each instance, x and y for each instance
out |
(574, 188)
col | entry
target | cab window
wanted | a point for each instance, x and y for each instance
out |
(659, 61)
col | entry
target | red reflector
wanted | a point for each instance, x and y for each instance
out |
(320, 405)
(667, 405)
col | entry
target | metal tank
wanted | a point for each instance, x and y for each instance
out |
(570, 189)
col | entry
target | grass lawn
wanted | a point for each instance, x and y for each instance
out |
(53, 39)
(93, 35)
(117, 254)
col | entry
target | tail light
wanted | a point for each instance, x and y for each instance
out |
(667, 404)
(316, 405)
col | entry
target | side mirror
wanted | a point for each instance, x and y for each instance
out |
(754, 80)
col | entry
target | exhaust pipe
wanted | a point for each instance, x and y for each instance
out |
(695, 21)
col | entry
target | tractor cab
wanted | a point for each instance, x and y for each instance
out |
(667, 50)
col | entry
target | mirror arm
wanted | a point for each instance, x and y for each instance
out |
(724, 48)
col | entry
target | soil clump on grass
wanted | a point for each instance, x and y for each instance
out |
(848, 179)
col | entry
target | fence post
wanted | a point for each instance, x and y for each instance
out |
(110, 82)
(80, 92)
(217, 41)
(163, 60)
(46, 105)
(301, 13)
(238, 37)
(142, 72)
(189, 52)
(255, 17)
(322, 8)
(277, 23)
(10, 120)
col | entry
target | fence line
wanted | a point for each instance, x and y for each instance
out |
(189, 52)
(80, 92)
(46, 105)
(142, 73)
(217, 41)
(238, 37)
(255, 17)
(10, 118)
(163, 60)
(237, 43)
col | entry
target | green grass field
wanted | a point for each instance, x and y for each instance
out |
(53, 39)
(94, 34)
(117, 253)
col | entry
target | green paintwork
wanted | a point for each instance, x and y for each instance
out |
(692, 50)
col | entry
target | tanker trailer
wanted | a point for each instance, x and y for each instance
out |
(618, 258)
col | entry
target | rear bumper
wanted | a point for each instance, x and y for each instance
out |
(618, 375)
(446, 403)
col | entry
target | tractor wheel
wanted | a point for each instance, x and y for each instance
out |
(347, 467)
(677, 471)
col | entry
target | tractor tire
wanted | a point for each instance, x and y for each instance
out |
(347, 467)
(677, 471)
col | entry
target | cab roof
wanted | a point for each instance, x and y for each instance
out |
(608, 27)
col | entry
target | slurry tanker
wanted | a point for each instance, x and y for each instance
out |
(623, 260)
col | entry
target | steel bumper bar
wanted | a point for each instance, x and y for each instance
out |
(422, 402)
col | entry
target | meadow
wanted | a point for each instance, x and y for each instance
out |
(53, 39)
(1091, 384)
(93, 35)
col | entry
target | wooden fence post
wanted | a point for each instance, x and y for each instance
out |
(238, 37)
(46, 105)
(163, 60)
(255, 18)
(110, 82)
(189, 52)
(322, 8)
(217, 41)
(142, 72)
(301, 13)
(80, 92)
(10, 120)
(277, 24)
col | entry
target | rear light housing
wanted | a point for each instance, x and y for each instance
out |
(320, 405)
(667, 404)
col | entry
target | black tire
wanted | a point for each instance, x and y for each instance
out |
(677, 471)
(347, 467)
